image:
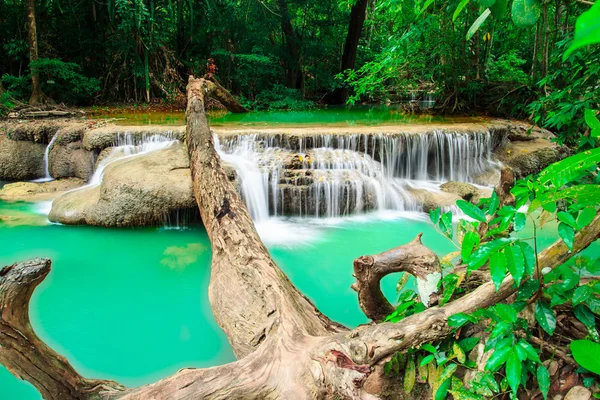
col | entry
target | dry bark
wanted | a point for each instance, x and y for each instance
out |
(37, 97)
(287, 348)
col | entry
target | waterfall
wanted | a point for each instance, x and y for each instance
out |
(47, 177)
(337, 175)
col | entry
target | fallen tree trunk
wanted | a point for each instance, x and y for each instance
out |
(287, 348)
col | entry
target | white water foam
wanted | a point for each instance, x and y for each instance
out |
(47, 177)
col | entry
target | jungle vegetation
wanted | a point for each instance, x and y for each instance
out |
(499, 57)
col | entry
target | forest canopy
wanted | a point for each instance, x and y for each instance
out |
(473, 56)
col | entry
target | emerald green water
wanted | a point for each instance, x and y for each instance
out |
(340, 116)
(132, 305)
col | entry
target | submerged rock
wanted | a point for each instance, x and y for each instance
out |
(29, 191)
(136, 191)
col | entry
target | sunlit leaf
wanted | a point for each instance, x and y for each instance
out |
(497, 268)
(471, 210)
(587, 29)
(477, 24)
(459, 8)
(567, 234)
(526, 12)
(587, 354)
(545, 317)
(543, 378)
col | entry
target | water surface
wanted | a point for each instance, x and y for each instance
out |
(330, 116)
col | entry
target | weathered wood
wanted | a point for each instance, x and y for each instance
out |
(413, 258)
(24, 354)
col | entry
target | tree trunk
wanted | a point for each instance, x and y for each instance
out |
(295, 77)
(287, 348)
(357, 20)
(37, 97)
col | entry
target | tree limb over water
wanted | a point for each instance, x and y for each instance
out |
(286, 347)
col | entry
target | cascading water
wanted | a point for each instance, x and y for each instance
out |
(337, 175)
(47, 177)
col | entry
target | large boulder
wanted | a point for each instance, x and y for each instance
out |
(430, 200)
(135, 191)
(528, 151)
(70, 160)
(465, 191)
(21, 160)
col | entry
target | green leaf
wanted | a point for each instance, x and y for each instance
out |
(459, 353)
(513, 372)
(584, 195)
(529, 256)
(520, 220)
(584, 314)
(591, 119)
(446, 224)
(525, 13)
(569, 169)
(506, 312)
(459, 8)
(497, 268)
(442, 391)
(515, 262)
(426, 360)
(494, 200)
(543, 378)
(587, 354)
(528, 289)
(471, 210)
(581, 294)
(545, 317)
(448, 372)
(587, 30)
(470, 240)
(463, 394)
(481, 255)
(529, 350)
(425, 6)
(585, 217)
(498, 358)
(566, 218)
(468, 344)
(410, 374)
(458, 320)
(486, 3)
(567, 234)
(478, 22)
(429, 347)
(434, 215)
(499, 9)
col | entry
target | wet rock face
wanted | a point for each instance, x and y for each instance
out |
(101, 138)
(465, 191)
(70, 160)
(21, 160)
(137, 191)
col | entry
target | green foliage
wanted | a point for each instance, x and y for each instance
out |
(507, 67)
(587, 30)
(507, 253)
(61, 81)
(587, 354)
(279, 98)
